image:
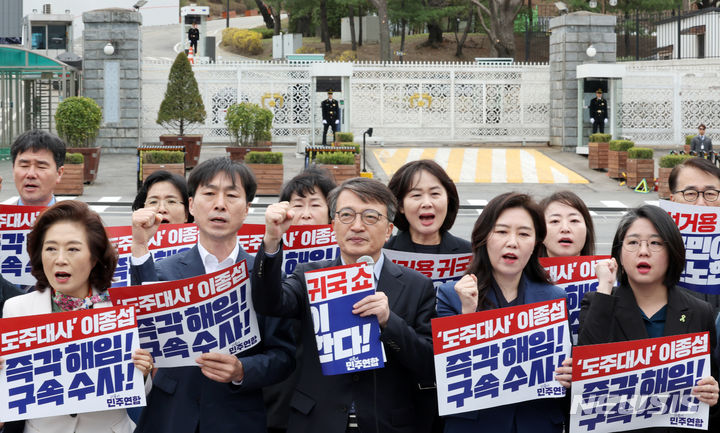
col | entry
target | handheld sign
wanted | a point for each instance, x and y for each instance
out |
(700, 229)
(639, 384)
(501, 356)
(179, 320)
(346, 342)
(304, 244)
(15, 224)
(66, 363)
(440, 268)
(577, 276)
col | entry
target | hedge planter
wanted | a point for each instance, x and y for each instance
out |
(72, 180)
(341, 173)
(269, 178)
(663, 183)
(617, 164)
(238, 153)
(639, 169)
(192, 144)
(598, 155)
(148, 169)
(91, 163)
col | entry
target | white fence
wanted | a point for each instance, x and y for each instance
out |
(661, 101)
(447, 102)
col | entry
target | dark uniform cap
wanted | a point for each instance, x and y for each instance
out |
(330, 91)
(598, 91)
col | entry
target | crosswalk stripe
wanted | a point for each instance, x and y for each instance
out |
(414, 155)
(454, 165)
(109, 199)
(528, 165)
(513, 169)
(11, 200)
(98, 208)
(613, 203)
(65, 197)
(483, 171)
(469, 165)
(499, 171)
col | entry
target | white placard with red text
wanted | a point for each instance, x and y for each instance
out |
(15, 224)
(179, 320)
(577, 276)
(501, 356)
(346, 342)
(639, 384)
(66, 363)
(700, 229)
(440, 268)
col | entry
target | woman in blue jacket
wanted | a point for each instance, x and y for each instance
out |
(505, 272)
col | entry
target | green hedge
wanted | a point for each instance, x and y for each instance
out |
(688, 139)
(264, 31)
(345, 137)
(77, 120)
(670, 161)
(164, 157)
(621, 145)
(242, 41)
(600, 138)
(74, 158)
(264, 158)
(335, 158)
(640, 153)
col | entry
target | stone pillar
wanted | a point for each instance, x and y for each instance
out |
(114, 81)
(571, 35)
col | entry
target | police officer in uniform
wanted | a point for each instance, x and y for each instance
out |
(194, 35)
(330, 115)
(598, 112)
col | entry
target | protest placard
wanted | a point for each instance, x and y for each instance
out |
(639, 384)
(306, 244)
(700, 229)
(71, 362)
(501, 356)
(179, 320)
(170, 239)
(346, 342)
(577, 276)
(440, 268)
(15, 224)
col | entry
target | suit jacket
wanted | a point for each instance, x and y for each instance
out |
(182, 399)
(115, 421)
(696, 143)
(598, 109)
(330, 110)
(321, 403)
(7, 291)
(537, 416)
(449, 244)
(616, 317)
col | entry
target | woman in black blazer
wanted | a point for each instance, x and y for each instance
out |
(648, 257)
(428, 204)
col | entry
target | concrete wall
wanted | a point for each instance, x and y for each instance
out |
(371, 29)
(571, 35)
(10, 18)
(114, 81)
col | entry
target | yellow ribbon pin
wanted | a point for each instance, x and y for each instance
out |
(682, 318)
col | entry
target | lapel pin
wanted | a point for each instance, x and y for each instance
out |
(682, 318)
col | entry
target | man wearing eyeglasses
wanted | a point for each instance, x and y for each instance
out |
(701, 143)
(369, 401)
(697, 181)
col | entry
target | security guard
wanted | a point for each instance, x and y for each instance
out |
(194, 36)
(598, 112)
(330, 115)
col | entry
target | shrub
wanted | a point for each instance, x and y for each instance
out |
(335, 158)
(264, 31)
(263, 158)
(347, 56)
(77, 120)
(74, 158)
(247, 42)
(620, 145)
(688, 139)
(671, 160)
(345, 137)
(248, 123)
(182, 105)
(306, 49)
(640, 153)
(600, 138)
(164, 157)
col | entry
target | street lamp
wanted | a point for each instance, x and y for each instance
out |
(369, 134)
(592, 4)
(591, 51)
(109, 49)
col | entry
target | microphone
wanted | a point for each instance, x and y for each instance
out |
(367, 260)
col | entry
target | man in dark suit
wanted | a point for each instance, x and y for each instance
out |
(330, 115)
(194, 36)
(225, 393)
(370, 401)
(598, 112)
(701, 143)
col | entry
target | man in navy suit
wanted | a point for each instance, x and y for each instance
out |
(224, 393)
(370, 401)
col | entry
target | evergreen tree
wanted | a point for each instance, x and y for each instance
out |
(182, 105)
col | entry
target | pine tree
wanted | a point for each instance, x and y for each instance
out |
(182, 104)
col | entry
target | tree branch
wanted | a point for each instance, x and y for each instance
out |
(480, 6)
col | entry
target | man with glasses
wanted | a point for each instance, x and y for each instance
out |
(701, 143)
(697, 181)
(369, 401)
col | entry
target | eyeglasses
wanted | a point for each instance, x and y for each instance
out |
(368, 216)
(632, 245)
(692, 194)
(169, 202)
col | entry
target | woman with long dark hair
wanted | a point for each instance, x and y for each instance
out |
(505, 272)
